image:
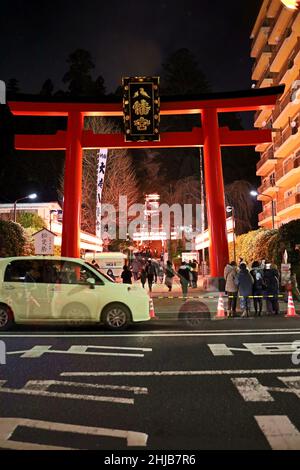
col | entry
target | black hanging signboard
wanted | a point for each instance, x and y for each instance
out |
(141, 106)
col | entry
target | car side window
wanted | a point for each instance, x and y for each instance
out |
(24, 271)
(75, 273)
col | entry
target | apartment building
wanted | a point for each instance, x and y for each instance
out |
(276, 50)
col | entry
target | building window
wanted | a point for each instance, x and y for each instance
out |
(288, 193)
(272, 179)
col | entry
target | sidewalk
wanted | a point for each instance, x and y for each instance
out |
(159, 289)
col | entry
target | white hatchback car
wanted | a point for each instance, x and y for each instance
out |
(49, 289)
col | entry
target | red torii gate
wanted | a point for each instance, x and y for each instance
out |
(210, 136)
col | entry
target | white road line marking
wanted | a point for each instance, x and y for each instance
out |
(70, 396)
(257, 349)
(170, 334)
(96, 346)
(293, 384)
(167, 373)
(39, 350)
(9, 425)
(279, 432)
(251, 389)
(45, 384)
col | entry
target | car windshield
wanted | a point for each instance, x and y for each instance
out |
(101, 272)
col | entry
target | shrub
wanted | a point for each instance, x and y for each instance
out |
(12, 239)
(30, 220)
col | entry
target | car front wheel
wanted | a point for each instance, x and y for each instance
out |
(116, 317)
(6, 318)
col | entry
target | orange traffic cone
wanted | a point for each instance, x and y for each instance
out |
(291, 312)
(151, 309)
(220, 311)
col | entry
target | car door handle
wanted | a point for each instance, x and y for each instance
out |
(9, 287)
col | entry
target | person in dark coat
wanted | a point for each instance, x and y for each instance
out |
(258, 287)
(271, 280)
(184, 276)
(150, 271)
(143, 277)
(245, 285)
(170, 273)
(126, 275)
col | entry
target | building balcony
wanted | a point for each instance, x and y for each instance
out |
(260, 40)
(290, 69)
(261, 116)
(262, 62)
(273, 10)
(268, 188)
(281, 23)
(266, 163)
(265, 218)
(283, 110)
(288, 141)
(289, 174)
(283, 50)
(289, 207)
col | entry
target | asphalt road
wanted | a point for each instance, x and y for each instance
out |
(224, 384)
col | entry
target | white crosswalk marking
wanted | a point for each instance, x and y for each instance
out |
(279, 432)
(34, 389)
(9, 425)
(252, 390)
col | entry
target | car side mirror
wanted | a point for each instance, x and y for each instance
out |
(91, 281)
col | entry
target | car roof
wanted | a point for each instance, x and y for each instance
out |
(40, 257)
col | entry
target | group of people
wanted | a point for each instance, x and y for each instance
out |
(152, 270)
(260, 282)
(149, 272)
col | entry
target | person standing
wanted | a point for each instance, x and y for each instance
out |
(184, 276)
(135, 268)
(258, 287)
(271, 280)
(161, 273)
(150, 271)
(126, 275)
(245, 282)
(143, 277)
(194, 273)
(169, 271)
(231, 288)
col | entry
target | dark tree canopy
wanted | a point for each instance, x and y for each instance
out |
(47, 88)
(78, 77)
(182, 76)
(12, 88)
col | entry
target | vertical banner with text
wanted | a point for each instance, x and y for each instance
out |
(102, 159)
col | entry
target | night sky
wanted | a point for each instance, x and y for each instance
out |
(125, 37)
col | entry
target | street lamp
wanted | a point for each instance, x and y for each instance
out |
(255, 194)
(30, 196)
(231, 209)
(292, 4)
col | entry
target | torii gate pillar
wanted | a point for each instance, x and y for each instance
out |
(72, 186)
(214, 186)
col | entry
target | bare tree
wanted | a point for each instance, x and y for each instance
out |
(237, 195)
(120, 178)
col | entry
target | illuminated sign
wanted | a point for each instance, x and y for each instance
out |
(141, 106)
